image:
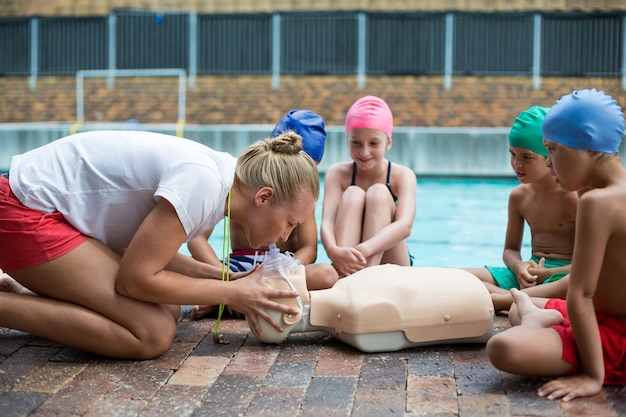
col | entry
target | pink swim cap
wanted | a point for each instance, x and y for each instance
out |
(370, 112)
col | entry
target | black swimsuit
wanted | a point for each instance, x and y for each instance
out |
(395, 198)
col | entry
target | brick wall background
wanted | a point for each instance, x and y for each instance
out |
(415, 101)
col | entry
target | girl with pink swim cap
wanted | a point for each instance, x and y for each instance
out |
(369, 205)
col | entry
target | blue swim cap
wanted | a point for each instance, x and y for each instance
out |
(588, 120)
(310, 126)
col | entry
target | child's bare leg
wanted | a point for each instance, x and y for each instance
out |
(532, 348)
(485, 276)
(514, 317)
(320, 276)
(501, 301)
(500, 297)
(556, 289)
(380, 211)
(398, 255)
(531, 311)
(79, 306)
(349, 221)
(494, 288)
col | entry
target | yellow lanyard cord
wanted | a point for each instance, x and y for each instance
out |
(225, 269)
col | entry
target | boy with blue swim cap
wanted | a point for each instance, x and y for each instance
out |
(581, 339)
(310, 126)
(549, 212)
(586, 120)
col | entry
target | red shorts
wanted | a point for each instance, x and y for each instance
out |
(30, 237)
(612, 335)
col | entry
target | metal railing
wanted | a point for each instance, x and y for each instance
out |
(111, 74)
(334, 43)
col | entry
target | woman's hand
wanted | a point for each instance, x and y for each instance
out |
(253, 299)
(238, 275)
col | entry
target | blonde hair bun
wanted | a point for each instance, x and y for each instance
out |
(289, 143)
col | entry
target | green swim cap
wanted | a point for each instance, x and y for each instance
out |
(526, 132)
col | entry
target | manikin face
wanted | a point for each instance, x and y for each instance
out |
(529, 166)
(271, 224)
(367, 147)
(568, 165)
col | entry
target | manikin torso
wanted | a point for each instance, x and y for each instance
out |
(389, 307)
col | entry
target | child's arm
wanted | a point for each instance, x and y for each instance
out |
(511, 255)
(544, 273)
(345, 259)
(592, 234)
(200, 249)
(330, 206)
(305, 236)
(187, 265)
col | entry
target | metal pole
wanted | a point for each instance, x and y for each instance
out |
(193, 48)
(112, 27)
(34, 52)
(80, 104)
(182, 95)
(361, 49)
(537, 20)
(448, 51)
(624, 53)
(276, 50)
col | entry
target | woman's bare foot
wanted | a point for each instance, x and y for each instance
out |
(199, 312)
(8, 284)
(531, 315)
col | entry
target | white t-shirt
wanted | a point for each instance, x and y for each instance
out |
(106, 182)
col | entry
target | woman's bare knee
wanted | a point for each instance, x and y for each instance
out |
(156, 338)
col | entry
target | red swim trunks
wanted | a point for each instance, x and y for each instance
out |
(30, 237)
(612, 335)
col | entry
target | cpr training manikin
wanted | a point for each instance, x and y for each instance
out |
(383, 308)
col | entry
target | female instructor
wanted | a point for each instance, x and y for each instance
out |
(91, 225)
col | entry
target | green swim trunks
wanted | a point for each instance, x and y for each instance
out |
(506, 279)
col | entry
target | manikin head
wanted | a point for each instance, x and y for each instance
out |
(283, 273)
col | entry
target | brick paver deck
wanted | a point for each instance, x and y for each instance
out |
(311, 374)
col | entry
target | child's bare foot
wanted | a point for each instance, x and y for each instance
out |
(199, 312)
(531, 315)
(501, 301)
(8, 284)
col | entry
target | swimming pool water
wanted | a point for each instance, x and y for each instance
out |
(458, 223)
(462, 223)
